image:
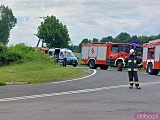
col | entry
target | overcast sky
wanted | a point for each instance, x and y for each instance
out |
(85, 18)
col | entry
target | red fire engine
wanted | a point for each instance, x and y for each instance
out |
(43, 49)
(104, 55)
(151, 57)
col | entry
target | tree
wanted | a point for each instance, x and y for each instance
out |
(158, 36)
(53, 33)
(7, 22)
(143, 39)
(134, 39)
(123, 37)
(86, 40)
(95, 40)
(3, 54)
(74, 48)
(107, 39)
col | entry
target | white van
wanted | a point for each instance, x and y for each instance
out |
(56, 53)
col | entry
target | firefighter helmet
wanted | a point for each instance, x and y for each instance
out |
(131, 51)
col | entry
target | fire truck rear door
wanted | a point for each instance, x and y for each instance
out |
(84, 52)
(101, 52)
(145, 53)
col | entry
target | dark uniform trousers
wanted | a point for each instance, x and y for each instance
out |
(133, 75)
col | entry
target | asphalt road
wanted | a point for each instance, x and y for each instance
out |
(101, 96)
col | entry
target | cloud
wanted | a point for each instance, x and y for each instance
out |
(85, 18)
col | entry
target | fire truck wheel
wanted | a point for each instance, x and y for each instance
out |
(150, 69)
(92, 64)
(104, 67)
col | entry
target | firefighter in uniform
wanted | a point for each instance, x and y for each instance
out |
(132, 63)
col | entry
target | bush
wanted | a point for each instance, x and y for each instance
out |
(23, 53)
(2, 83)
(20, 53)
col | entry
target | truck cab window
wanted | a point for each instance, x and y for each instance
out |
(114, 48)
(125, 48)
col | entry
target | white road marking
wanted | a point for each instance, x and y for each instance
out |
(77, 78)
(70, 92)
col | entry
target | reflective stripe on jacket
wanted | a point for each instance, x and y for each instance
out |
(132, 63)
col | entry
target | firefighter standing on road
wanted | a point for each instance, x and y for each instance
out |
(132, 63)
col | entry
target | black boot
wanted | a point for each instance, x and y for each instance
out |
(137, 85)
(131, 84)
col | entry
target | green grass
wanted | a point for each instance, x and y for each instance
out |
(37, 72)
(78, 55)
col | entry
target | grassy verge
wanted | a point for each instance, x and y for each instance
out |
(37, 72)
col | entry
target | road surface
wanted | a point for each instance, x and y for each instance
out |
(104, 95)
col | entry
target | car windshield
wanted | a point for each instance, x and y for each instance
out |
(70, 54)
(125, 48)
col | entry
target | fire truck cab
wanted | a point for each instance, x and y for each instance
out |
(104, 55)
(151, 57)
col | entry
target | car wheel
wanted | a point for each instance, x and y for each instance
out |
(74, 65)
